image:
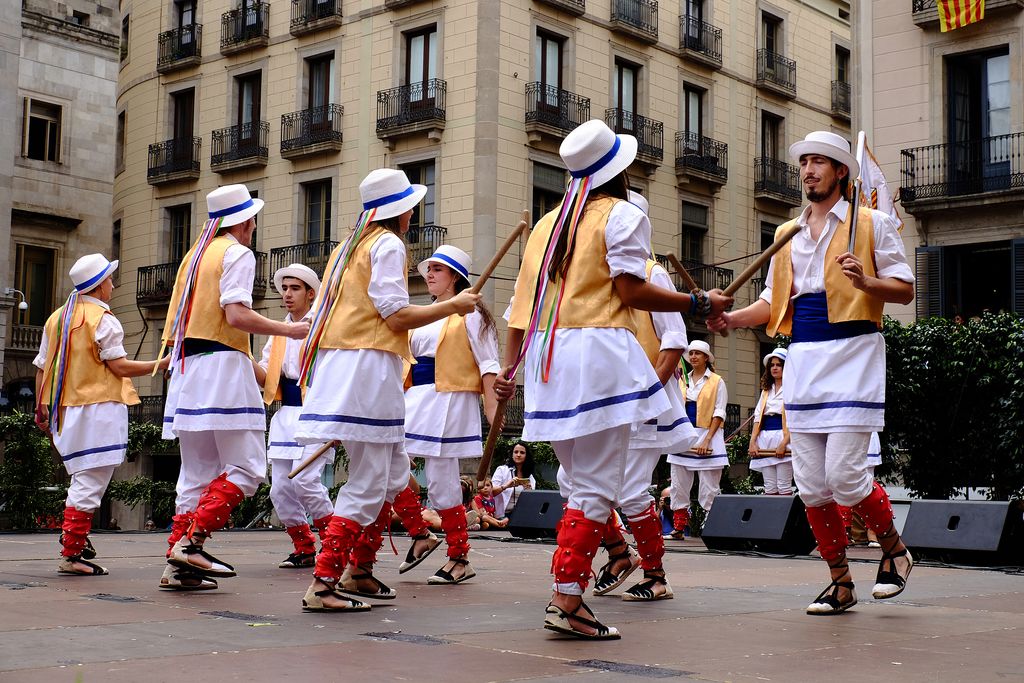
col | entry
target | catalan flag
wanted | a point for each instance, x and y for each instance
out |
(955, 14)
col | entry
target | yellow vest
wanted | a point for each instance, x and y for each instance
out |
(208, 320)
(88, 379)
(455, 367)
(706, 400)
(763, 402)
(356, 324)
(272, 384)
(590, 297)
(645, 333)
(845, 302)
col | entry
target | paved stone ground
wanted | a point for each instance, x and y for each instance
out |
(734, 618)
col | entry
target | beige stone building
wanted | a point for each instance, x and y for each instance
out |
(945, 116)
(299, 99)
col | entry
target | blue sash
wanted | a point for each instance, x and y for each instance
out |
(291, 394)
(423, 371)
(691, 412)
(771, 423)
(810, 321)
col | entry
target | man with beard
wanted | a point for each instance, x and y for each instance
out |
(830, 301)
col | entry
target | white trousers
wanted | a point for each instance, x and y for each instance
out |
(377, 472)
(778, 479)
(682, 484)
(636, 491)
(443, 486)
(299, 499)
(85, 492)
(831, 467)
(242, 453)
(595, 468)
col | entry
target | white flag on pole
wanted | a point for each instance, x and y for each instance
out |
(874, 190)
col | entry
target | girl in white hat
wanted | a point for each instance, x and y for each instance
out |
(297, 500)
(358, 341)
(82, 398)
(706, 399)
(587, 378)
(769, 439)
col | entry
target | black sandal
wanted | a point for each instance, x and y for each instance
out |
(557, 619)
(889, 579)
(383, 592)
(219, 569)
(441, 577)
(67, 563)
(313, 601)
(606, 580)
(411, 561)
(298, 561)
(644, 591)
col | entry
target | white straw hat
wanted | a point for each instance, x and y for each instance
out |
(779, 353)
(389, 192)
(299, 272)
(593, 149)
(90, 270)
(702, 346)
(233, 203)
(639, 200)
(453, 257)
(827, 145)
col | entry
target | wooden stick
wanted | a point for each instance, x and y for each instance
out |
(309, 461)
(524, 223)
(681, 271)
(492, 440)
(770, 454)
(760, 261)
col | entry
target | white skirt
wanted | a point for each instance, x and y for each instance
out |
(671, 431)
(92, 436)
(600, 378)
(769, 440)
(355, 395)
(282, 444)
(836, 386)
(692, 461)
(442, 424)
(216, 392)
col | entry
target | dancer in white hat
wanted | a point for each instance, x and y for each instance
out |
(303, 498)
(83, 393)
(587, 377)
(830, 301)
(358, 340)
(769, 439)
(213, 404)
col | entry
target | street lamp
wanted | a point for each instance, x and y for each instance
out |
(23, 305)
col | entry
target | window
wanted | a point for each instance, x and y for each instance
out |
(179, 231)
(978, 108)
(767, 238)
(693, 111)
(771, 34)
(183, 108)
(80, 18)
(421, 64)
(35, 274)
(694, 18)
(321, 81)
(548, 189)
(624, 87)
(119, 151)
(124, 38)
(115, 248)
(317, 218)
(694, 229)
(186, 13)
(249, 100)
(548, 59)
(422, 174)
(842, 64)
(42, 131)
(771, 135)
(695, 9)
(970, 279)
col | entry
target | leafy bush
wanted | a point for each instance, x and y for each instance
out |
(142, 490)
(27, 471)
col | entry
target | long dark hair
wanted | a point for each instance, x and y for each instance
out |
(460, 285)
(767, 381)
(528, 464)
(617, 187)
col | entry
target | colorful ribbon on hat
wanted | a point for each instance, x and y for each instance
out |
(184, 311)
(59, 365)
(327, 299)
(576, 195)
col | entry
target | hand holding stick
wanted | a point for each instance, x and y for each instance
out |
(311, 459)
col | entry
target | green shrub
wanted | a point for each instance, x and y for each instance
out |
(28, 470)
(142, 490)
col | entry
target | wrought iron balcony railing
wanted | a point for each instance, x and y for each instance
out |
(777, 180)
(25, 337)
(701, 38)
(638, 17)
(732, 418)
(155, 283)
(422, 102)
(559, 109)
(705, 275)
(841, 99)
(150, 409)
(247, 142)
(648, 132)
(514, 410)
(175, 159)
(709, 158)
(312, 254)
(959, 169)
(421, 241)
(243, 25)
(311, 127)
(262, 280)
(309, 15)
(776, 72)
(179, 47)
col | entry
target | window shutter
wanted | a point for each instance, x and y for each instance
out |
(930, 292)
(24, 126)
(1017, 258)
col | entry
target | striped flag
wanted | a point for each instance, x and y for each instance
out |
(955, 14)
(874, 189)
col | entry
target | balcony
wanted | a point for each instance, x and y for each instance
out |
(700, 41)
(309, 16)
(312, 254)
(245, 28)
(776, 181)
(648, 132)
(155, 284)
(311, 131)
(238, 147)
(926, 14)
(173, 161)
(776, 74)
(702, 158)
(577, 7)
(636, 18)
(395, 4)
(514, 409)
(179, 48)
(260, 283)
(25, 338)
(963, 174)
(150, 409)
(841, 100)
(706, 276)
(410, 109)
(552, 112)
(420, 242)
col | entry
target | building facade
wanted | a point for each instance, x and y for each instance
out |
(945, 116)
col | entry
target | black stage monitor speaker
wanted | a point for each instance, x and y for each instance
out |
(536, 514)
(767, 524)
(982, 533)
